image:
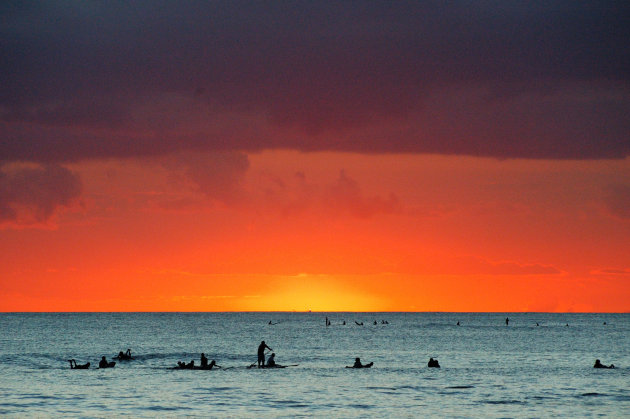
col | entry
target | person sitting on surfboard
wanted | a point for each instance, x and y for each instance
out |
(78, 366)
(358, 364)
(433, 363)
(598, 364)
(271, 362)
(261, 353)
(204, 361)
(105, 364)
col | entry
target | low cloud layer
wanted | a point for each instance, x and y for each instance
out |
(501, 79)
(31, 195)
(617, 201)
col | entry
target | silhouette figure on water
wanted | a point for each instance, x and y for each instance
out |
(75, 366)
(433, 363)
(124, 356)
(358, 364)
(204, 361)
(271, 362)
(261, 353)
(598, 364)
(185, 366)
(458, 323)
(344, 323)
(358, 324)
(105, 364)
(507, 321)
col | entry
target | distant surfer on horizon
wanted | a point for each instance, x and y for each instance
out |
(507, 321)
(261, 353)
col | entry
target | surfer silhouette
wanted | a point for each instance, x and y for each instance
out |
(433, 363)
(261, 353)
(358, 364)
(78, 366)
(104, 364)
(598, 364)
(124, 356)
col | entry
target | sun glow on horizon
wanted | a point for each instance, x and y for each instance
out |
(314, 292)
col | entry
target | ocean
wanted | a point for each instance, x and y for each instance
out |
(487, 369)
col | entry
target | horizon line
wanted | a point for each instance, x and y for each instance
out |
(315, 312)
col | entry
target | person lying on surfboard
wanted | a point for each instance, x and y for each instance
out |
(78, 366)
(358, 364)
(598, 364)
(124, 356)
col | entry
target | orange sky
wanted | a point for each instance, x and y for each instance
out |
(329, 231)
(315, 156)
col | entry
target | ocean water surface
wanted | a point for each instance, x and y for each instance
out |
(488, 369)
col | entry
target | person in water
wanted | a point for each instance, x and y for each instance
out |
(507, 321)
(204, 361)
(125, 355)
(261, 353)
(78, 366)
(433, 363)
(104, 364)
(271, 362)
(598, 364)
(358, 364)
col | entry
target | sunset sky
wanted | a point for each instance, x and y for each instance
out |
(315, 155)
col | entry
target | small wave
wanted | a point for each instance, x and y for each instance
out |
(505, 402)
(168, 408)
(380, 388)
(213, 389)
(592, 394)
(361, 406)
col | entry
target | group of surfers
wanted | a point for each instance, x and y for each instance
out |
(261, 361)
(343, 323)
(104, 363)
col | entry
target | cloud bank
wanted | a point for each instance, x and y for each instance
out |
(501, 79)
(31, 195)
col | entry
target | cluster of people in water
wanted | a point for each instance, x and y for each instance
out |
(268, 362)
(103, 363)
(204, 364)
(343, 323)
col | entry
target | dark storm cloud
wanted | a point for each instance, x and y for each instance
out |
(32, 194)
(538, 79)
(617, 200)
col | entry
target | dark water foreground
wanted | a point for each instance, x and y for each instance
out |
(488, 369)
